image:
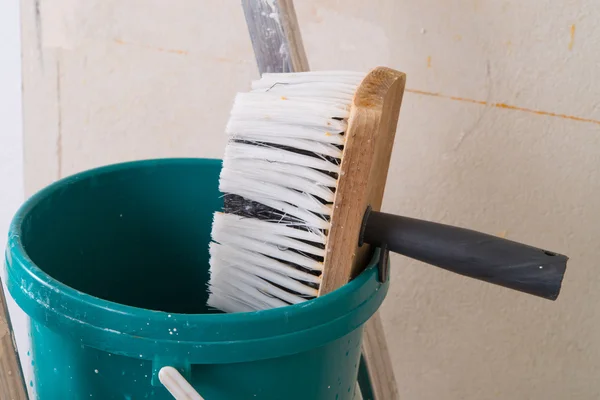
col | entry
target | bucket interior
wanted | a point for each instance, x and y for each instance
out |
(137, 236)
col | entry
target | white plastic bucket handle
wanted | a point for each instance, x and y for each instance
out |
(176, 384)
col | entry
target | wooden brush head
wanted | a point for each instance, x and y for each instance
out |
(365, 162)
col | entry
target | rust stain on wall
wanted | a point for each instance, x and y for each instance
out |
(572, 33)
(506, 106)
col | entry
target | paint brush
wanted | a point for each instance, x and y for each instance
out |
(304, 175)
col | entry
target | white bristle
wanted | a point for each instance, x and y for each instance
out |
(246, 151)
(252, 287)
(282, 179)
(290, 170)
(231, 255)
(286, 140)
(271, 129)
(249, 185)
(229, 237)
(255, 228)
(298, 144)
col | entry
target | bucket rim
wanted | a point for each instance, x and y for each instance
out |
(25, 279)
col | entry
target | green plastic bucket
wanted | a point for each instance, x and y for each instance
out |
(112, 264)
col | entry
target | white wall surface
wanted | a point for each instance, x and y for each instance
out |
(11, 150)
(499, 131)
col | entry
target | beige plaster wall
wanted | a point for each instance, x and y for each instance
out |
(499, 131)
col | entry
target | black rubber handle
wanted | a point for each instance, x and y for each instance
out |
(477, 255)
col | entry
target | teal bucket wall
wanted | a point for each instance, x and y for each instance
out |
(112, 264)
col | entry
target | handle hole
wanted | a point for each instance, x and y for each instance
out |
(549, 253)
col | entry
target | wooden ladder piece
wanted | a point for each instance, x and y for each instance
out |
(12, 384)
